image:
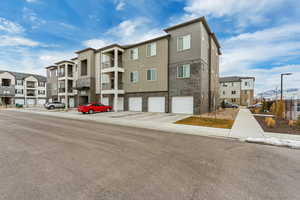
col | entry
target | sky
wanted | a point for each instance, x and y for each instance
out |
(258, 38)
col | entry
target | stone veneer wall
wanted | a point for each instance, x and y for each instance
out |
(145, 96)
(196, 85)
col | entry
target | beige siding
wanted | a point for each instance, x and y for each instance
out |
(142, 64)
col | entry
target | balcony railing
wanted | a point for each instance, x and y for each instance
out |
(70, 90)
(7, 91)
(110, 64)
(108, 86)
(31, 94)
(61, 75)
(30, 86)
(62, 90)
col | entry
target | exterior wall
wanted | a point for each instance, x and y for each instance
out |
(198, 58)
(215, 82)
(52, 83)
(142, 64)
(98, 72)
(247, 97)
(145, 96)
(230, 86)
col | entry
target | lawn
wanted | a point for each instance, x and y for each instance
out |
(209, 122)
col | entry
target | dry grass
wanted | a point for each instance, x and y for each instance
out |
(228, 113)
(270, 122)
(209, 122)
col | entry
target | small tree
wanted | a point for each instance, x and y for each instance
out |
(281, 110)
(264, 107)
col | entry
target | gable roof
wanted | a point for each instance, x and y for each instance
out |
(21, 76)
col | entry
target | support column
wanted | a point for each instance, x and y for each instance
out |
(66, 86)
(116, 80)
(101, 60)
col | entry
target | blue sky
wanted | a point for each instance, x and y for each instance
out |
(259, 38)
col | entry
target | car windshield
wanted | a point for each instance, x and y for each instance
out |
(87, 104)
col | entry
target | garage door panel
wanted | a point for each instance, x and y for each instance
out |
(41, 101)
(120, 103)
(19, 101)
(184, 105)
(105, 101)
(135, 104)
(156, 104)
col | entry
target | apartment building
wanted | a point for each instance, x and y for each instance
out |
(177, 72)
(238, 90)
(21, 88)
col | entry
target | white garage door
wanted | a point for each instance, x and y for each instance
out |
(135, 104)
(105, 101)
(19, 101)
(120, 103)
(183, 105)
(41, 101)
(31, 101)
(156, 104)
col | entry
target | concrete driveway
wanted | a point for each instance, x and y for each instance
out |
(46, 158)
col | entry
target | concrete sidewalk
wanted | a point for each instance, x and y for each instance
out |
(246, 126)
(160, 125)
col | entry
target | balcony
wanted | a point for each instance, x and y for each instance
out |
(7, 91)
(30, 94)
(61, 90)
(83, 83)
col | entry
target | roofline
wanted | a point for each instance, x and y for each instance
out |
(51, 66)
(74, 58)
(109, 46)
(239, 77)
(86, 49)
(199, 19)
(64, 61)
(146, 41)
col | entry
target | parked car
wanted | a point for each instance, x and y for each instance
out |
(230, 105)
(94, 107)
(54, 105)
(258, 105)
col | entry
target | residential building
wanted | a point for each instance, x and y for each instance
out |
(177, 72)
(22, 88)
(238, 90)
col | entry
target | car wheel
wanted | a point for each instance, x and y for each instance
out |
(107, 110)
(51, 107)
(91, 111)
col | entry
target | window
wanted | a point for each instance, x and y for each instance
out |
(184, 71)
(233, 100)
(223, 92)
(232, 84)
(134, 54)
(224, 85)
(245, 92)
(19, 82)
(183, 42)
(41, 84)
(298, 107)
(233, 92)
(83, 68)
(246, 83)
(134, 77)
(19, 91)
(151, 50)
(151, 75)
(41, 92)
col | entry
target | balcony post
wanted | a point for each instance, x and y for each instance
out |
(116, 80)
(101, 67)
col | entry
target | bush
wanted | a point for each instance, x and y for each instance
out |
(291, 123)
(274, 108)
(297, 123)
(281, 110)
(270, 122)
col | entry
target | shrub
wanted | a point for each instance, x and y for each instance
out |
(297, 123)
(270, 122)
(291, 123)
(274, 107)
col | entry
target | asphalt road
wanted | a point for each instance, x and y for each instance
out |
(43, 157)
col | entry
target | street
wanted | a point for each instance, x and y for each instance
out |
(43, 157)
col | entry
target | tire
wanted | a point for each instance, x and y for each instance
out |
(51, 107)
(107, 110)
(91, 112)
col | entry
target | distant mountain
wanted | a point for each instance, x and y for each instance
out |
(288, 94)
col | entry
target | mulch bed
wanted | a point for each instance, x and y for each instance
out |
(280, 127)
(209, 122)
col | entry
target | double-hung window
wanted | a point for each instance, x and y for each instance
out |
(183, 42)
(151, 74)
(184, 71)
(151, 49)
(134, 54)
(298, 107)
(19, 82)
(134, 77)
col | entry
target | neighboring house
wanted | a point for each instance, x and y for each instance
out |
(21, 88)
(177, 72)
(238, 90)
(292, 108)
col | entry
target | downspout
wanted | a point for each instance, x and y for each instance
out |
(209, 74)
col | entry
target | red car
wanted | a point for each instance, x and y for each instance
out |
(94, 107)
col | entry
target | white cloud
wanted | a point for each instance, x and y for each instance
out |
(30, 16)
(14, 41)
(120, 5)
(31, 1)
(245, 11)
(10, 27)
(96, 43)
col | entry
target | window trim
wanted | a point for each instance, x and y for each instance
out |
(155, 70)
(137, 79)
(190, 43)
(130, 50)
(147, 51)
(177, 71)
